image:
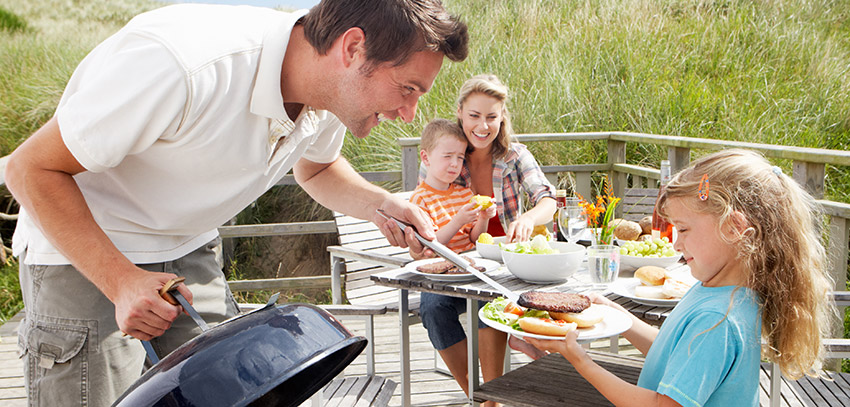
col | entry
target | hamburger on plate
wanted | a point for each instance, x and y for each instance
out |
(545, 313)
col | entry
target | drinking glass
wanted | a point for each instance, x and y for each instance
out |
(572, 222)
(603, 263)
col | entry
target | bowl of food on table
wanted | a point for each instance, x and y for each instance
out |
(487, 246)
(657, 252)
(540, 261)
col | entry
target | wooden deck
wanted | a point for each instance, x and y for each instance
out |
(11, 369)
(429, 388)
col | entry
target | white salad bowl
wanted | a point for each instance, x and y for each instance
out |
(490, 251)
(545, 268)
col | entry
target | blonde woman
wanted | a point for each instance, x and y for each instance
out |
(494, 166)
(748, 233)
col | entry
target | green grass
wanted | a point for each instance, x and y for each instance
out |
(11, 22)
(773, 72)
(769, 72)
(10, 291)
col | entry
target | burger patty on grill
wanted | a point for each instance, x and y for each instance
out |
(556, 302)
(446, 267)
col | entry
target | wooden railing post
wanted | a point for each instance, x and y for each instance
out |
(839, 235)
(617, 155)
(679, 158)
(810, 176)
(409, 165)
(583, 185)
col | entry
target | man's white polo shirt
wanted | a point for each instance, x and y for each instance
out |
(171, 117)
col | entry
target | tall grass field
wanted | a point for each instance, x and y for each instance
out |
(773, 72)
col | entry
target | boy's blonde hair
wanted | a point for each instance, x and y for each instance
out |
(490, 85)
(438, 128)
(780, 250)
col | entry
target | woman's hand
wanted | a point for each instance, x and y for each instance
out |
(520, 229)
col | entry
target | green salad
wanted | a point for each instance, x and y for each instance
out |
(538, 245)
(495, 311)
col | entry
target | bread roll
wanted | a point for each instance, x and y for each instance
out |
(546, 326)
(587, 318)
(627, 230)
(646, 225)
(654, 292)
(650, 275)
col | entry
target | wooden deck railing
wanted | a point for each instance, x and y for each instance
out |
(808, 168)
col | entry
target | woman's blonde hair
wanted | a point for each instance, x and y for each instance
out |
(490, 85)
(780, 250)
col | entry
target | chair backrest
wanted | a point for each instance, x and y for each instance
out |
(638, 202)
(364, 238)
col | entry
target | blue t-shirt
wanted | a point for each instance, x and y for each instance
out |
(697, 363)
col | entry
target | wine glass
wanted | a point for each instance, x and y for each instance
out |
(572, 222)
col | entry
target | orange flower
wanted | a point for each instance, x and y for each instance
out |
(604, 206)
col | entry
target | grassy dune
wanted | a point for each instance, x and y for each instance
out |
(763, 71)
(770, 72)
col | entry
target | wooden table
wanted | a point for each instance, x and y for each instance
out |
(562, 386)
(406, 281)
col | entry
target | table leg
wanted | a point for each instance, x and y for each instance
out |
(472, 347)
(404, 345)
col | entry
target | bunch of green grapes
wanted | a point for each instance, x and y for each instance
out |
(654, 248)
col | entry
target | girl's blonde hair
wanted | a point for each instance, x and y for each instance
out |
(491, 86)
(780, 250)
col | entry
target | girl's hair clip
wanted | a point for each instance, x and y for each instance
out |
(777, 171)
(702, 193)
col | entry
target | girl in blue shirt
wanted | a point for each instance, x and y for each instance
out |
(749, 235)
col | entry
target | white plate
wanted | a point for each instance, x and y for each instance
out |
(613, 323)
(489, 265)
(626, 287)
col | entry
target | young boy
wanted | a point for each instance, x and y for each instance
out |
(458, 220)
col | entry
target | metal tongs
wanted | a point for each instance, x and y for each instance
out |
(453, 257)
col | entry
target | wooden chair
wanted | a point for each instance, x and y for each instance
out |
(637, 203)
(362, 252)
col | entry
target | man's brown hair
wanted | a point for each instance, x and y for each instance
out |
(394, 29)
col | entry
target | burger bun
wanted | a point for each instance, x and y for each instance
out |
(654, 292)
(585, 319)
(651, 275)
(547, 327)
